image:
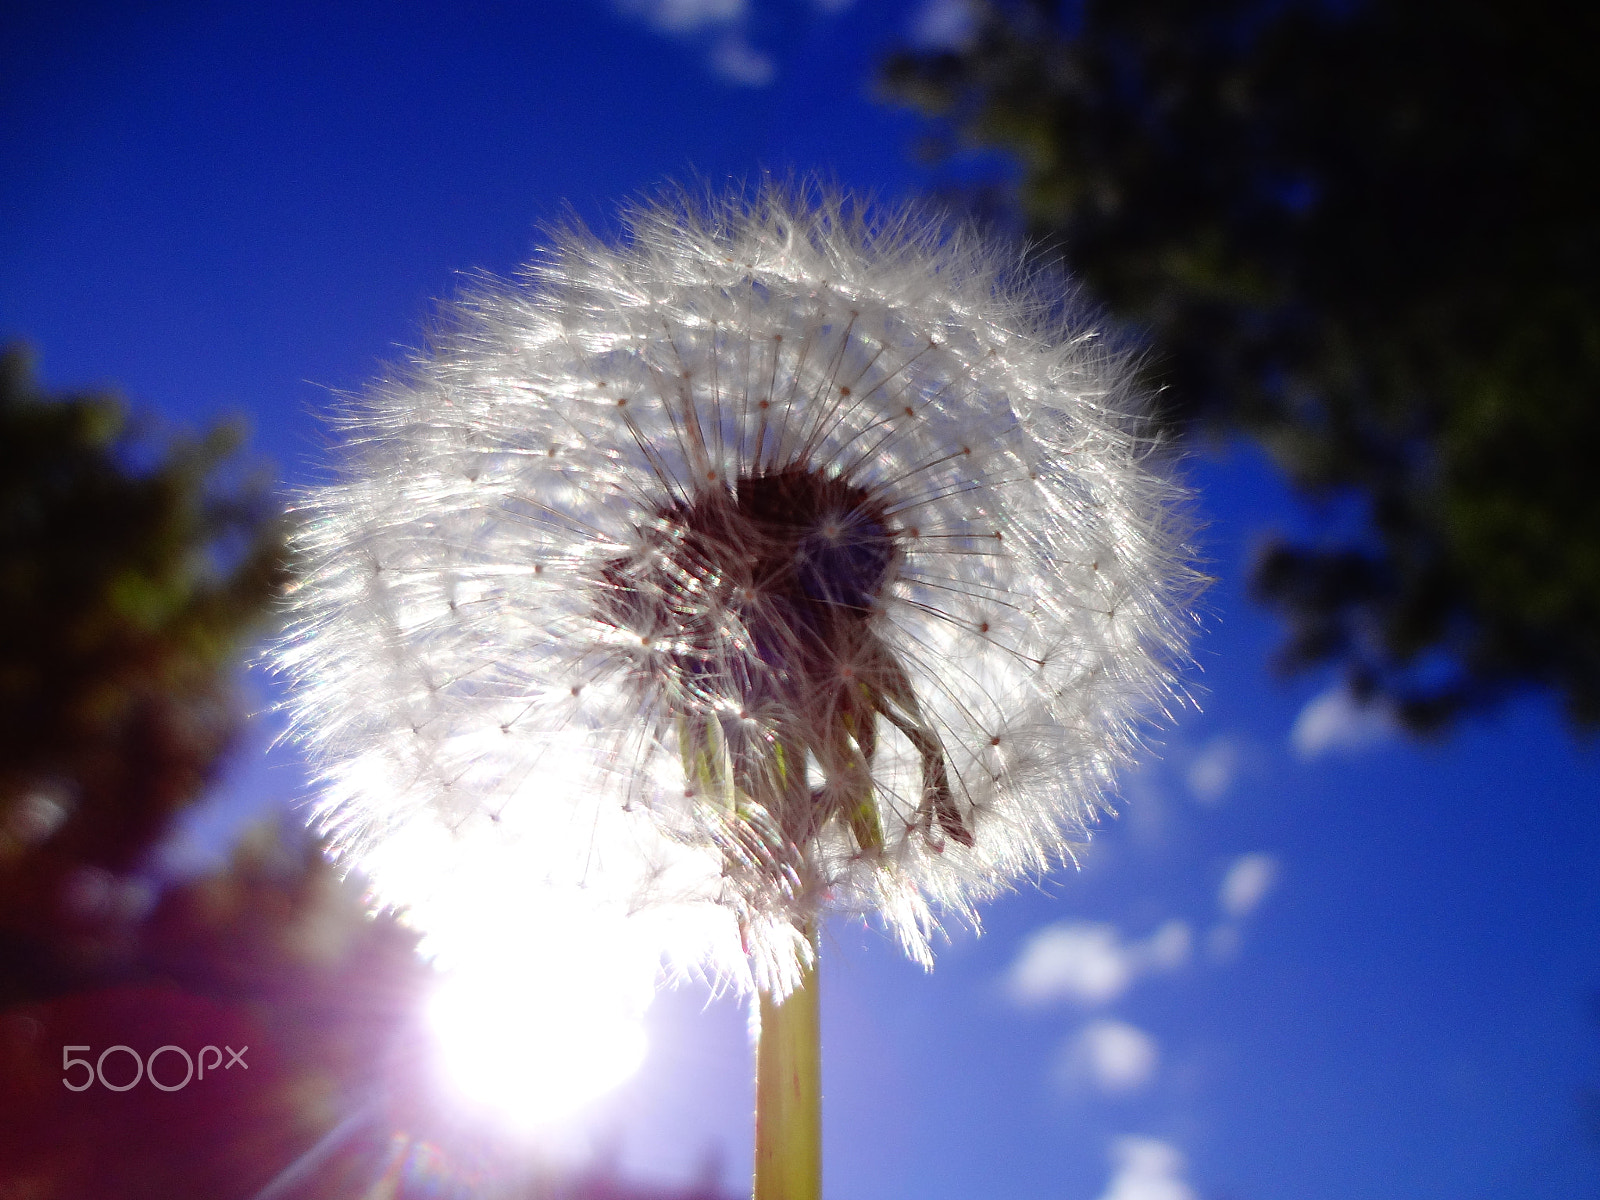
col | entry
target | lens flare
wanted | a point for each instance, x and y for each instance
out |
(532, 1049)
(542, 992)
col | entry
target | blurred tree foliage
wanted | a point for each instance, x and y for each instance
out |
(1368, 235)
(127, 592)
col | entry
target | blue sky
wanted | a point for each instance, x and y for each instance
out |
(1308, 960)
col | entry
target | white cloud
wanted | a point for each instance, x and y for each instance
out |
(1336, 721)
(1249, 878)
(1118, 1057)
(1213, 770)
(720, 26)
(1076, 960)
(684, 16)
(737, 61)
(944, 25)
(1167, 948)
(1223, 941)
(1090, 963)
(1145, 1168)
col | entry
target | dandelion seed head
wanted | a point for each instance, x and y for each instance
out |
(782, 556)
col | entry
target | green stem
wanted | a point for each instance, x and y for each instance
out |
(789, 1092)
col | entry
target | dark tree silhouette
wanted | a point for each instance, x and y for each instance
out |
(131, 577)
(1367, 235)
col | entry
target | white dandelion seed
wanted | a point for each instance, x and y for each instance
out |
(783, 557)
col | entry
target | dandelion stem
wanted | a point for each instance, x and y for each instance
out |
(789, 1091)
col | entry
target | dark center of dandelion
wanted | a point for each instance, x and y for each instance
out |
(823, 545)
(757, 599)
(786, 566)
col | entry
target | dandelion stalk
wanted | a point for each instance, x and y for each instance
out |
(788, 1050)
(788, 1159)
(784, 557)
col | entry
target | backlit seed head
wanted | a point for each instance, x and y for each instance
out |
(848, 590)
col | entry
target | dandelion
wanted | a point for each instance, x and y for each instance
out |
(782, 557)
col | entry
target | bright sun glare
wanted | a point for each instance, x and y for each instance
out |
(534, 1048)
(540, 1006)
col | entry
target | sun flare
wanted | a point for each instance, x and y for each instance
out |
(540, 1003)
(533, 1049)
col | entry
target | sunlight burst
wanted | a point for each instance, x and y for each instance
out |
(531, 1048)
(540, 1005)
